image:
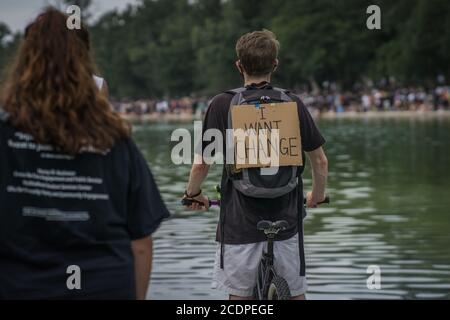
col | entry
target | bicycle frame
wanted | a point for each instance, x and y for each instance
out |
(266, 270)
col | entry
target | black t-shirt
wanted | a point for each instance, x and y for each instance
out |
(239, 213)
(57, 211)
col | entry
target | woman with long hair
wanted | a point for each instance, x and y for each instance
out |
(78, 203)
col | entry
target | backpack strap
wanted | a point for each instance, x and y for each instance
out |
(284, 94)
(236, 90)
(301, 247)
(237, 97)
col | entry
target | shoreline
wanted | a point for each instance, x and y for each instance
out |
(385, 114)
(186, 117)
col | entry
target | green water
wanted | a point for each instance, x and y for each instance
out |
(390, 189)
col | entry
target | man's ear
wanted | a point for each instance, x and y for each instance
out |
(275, 65)
(239, 67)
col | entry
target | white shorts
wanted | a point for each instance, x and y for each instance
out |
(238, 278)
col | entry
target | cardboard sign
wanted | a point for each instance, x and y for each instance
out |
(263, 119)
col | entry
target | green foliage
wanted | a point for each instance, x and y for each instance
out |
(8, 45)
(417, 49)
(215, 41)
(169, 48)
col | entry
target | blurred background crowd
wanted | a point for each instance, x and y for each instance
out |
(329, 100)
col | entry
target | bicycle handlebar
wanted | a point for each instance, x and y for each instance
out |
(188, 202)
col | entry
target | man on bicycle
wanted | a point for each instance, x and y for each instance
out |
(240, 243)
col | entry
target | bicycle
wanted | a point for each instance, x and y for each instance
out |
(269, 285)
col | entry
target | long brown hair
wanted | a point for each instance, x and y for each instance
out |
(50, 92)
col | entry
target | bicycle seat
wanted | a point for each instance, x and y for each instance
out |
(269, 226)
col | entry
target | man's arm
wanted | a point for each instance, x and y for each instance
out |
(199, 172)
(319, 164)
(143, 256)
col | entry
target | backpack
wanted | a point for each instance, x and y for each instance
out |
(250, 181)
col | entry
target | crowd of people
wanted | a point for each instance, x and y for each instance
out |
(152, 107)
(400, 99)
(319, 101)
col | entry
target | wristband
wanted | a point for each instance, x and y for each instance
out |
(192, 196)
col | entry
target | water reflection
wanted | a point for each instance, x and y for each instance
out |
(389, 185)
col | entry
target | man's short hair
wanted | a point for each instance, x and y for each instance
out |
(257, 52)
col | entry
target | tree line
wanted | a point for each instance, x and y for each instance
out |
(172, 48)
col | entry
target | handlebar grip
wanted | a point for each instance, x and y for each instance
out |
(327, 200)
(188, 202)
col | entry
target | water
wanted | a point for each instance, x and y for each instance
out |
(389, 185)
